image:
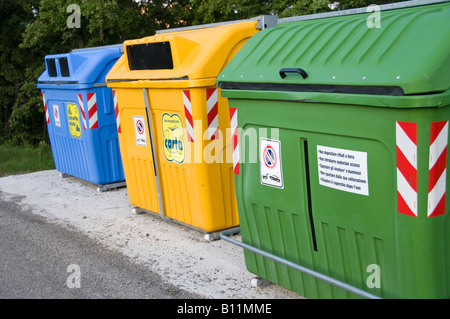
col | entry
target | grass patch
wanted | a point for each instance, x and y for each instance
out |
(25, 159)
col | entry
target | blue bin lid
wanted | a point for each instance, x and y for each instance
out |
(79, 69)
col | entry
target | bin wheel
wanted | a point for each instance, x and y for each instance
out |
(212, 236)
(111, 186)
(259, 282)
(137, 211)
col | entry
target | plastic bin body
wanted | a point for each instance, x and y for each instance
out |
(195, 171)
(81, 116)
(362, 149)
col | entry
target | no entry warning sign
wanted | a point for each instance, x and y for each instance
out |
(269, 156)
(140, 130)
(270, 163)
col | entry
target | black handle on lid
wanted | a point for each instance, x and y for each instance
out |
(293, 70)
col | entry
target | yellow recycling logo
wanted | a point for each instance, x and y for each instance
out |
(172, 128)
(74, 120)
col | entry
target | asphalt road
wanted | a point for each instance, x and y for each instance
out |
(40, 259)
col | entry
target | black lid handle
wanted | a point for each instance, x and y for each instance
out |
(293, 70)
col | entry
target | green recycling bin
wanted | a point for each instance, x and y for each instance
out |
(341, 146)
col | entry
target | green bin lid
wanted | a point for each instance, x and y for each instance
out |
(409, 54)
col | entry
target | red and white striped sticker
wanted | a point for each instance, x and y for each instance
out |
(212, 108)
(188, 115)
(437, 177)
(116, 110)
(92, 110)
(406, 140)
(47, 117)
(234, 139)
(83, 116)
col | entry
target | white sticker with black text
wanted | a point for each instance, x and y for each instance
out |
(343, 169)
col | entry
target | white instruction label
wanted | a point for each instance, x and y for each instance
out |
(270, 163)
(342, 169)
(56, 115)
(140, 130)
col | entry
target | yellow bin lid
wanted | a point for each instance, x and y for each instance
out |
(184, 57)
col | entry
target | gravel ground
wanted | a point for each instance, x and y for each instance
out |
(179, 254)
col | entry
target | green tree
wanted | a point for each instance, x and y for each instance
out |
(20, 117)
(168, 13)
(296, 8)
(103, 22)
(210, 11)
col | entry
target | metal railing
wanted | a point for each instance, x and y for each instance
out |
(224, 235)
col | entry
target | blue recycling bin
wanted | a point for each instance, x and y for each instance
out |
(80, 114)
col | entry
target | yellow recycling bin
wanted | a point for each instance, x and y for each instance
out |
(173, 126)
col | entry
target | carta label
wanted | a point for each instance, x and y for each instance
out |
(74, 120)
(172, 128)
